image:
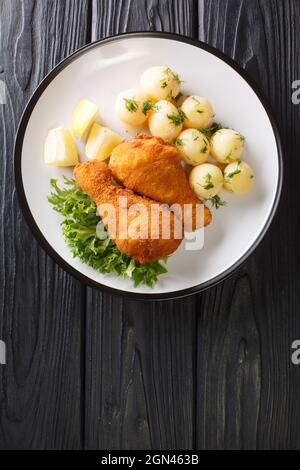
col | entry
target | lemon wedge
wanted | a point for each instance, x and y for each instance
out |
(84, 115)
(101, 142)
(60, 148)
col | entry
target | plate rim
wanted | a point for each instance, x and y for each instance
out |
(27, 212)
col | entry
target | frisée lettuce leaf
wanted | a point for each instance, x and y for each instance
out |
(80, 224)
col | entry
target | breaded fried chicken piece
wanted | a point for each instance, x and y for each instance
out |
(150, 167)
(95, 178)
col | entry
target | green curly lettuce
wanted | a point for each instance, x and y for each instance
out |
(80, 224)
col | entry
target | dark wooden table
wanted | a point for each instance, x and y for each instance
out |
(90, 370)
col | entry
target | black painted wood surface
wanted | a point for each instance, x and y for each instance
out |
(86, 369)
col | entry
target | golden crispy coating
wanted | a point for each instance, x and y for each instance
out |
(151, 167)
(128, 227)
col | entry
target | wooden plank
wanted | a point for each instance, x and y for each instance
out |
(119, 16)
(40, 305)
(247, 385)
(140, 356)
(140, 372)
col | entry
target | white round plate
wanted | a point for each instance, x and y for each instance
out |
(99, 72)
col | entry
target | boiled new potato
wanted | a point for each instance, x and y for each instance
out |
(133, 107)
(227, 145)
(160, 83)
(238, 177)
(101, 142)
(84, 115)
(165, 121)
(198, 112)
(193, 146)
(60, 148)
(206, 180)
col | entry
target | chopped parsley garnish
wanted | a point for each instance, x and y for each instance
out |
(205, 148)
(196, 100)
(80, 227)
(200, 111)
(217, 202)
(228, 157)
(177, 119)
(242, 137)
(229, 176)
(131, 105)
(208, 182)
(147, 107)
(170, 75)
(177, 98)
(215, 127)
(179, 142)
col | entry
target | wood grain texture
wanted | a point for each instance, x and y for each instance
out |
(40, 305)
(140, 372)
(140, 355)
(88, 369)
(247, 385)
(119, 16)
